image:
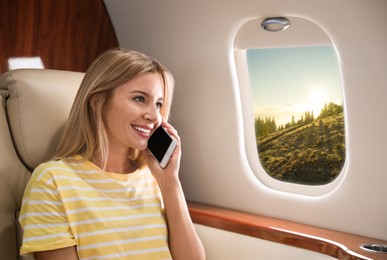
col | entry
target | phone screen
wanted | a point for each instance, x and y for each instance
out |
(159, 143)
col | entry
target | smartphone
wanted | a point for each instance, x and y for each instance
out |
(161, 146)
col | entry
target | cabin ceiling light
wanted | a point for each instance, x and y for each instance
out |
(275, 24)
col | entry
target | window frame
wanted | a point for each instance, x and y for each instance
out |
(248, 39)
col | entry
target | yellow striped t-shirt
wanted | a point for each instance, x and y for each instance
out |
(105, 215)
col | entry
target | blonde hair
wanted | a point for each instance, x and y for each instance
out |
(85, 132)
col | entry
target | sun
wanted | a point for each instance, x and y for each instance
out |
(318, 95)
(317, 99)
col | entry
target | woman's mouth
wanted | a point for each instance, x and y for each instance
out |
(142, 131)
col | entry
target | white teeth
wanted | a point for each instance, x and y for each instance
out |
(143, 130)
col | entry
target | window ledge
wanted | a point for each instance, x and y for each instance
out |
(337, 244)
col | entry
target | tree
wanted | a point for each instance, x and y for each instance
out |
(293, 123)
(330, 109)
(264, 127)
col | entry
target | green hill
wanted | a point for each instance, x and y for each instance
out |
(312, 153)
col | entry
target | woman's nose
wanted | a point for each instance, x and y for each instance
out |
(152, 114)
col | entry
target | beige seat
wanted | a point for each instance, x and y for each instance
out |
(35, 104)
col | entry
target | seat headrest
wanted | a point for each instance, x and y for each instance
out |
(38, 104)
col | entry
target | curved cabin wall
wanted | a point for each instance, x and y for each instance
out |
(65, 34)
(195, 40)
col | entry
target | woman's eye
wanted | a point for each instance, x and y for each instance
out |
(139, 99)
(159, 105)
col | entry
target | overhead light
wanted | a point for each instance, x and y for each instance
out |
(275, 24)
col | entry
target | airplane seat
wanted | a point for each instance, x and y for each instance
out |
(35, 104)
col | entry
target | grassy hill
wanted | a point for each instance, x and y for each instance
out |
(312, 153)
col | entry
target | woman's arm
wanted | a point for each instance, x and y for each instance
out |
(184, 242)
(183, 239)
(67, 253)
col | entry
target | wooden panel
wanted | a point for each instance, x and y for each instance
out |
(66, 34)
(333, 243)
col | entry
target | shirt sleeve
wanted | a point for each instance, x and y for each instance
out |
(42, 217)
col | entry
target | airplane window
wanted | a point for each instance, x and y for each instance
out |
(294, 119)
(298, 108)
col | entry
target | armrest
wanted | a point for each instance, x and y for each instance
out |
(329, 242)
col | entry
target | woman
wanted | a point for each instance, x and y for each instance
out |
(104, 196)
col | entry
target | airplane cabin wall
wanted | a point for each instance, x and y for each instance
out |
(195, 40)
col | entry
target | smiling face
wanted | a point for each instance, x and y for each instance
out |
(133, 112)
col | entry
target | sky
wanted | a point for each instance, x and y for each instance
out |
(292, 81)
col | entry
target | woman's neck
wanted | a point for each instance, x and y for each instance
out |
(117, 163)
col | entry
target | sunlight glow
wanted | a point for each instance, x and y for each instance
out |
(318, 95)
(317, 98)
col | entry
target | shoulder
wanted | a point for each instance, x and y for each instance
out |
(66, 166)
(46, 168)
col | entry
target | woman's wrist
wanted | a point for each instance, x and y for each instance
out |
(169, 184)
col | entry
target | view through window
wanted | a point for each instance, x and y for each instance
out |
(298, 112)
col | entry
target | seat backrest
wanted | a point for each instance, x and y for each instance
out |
(35, 104)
